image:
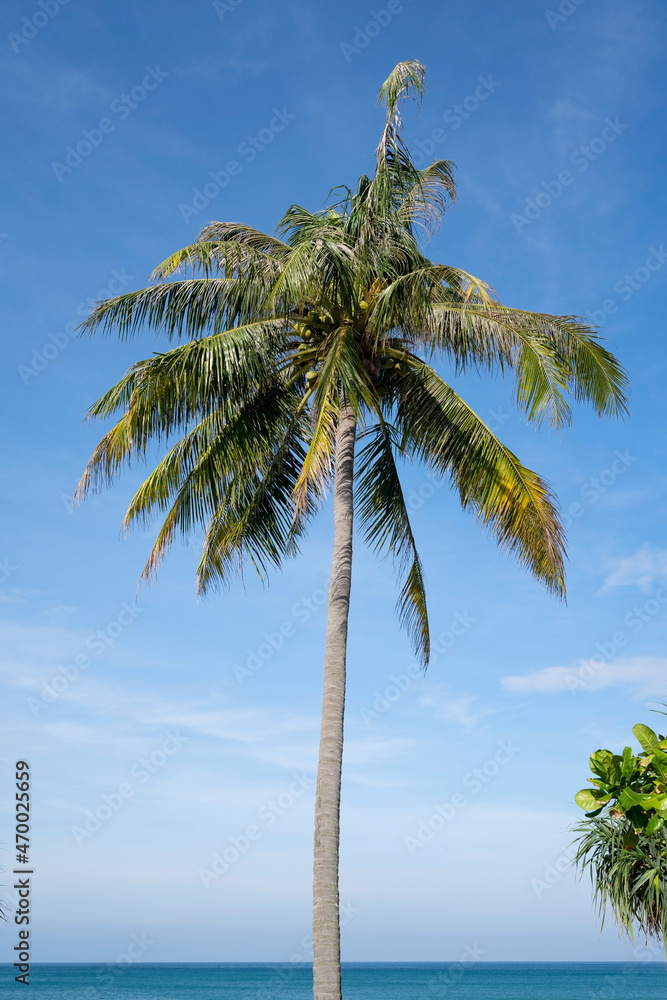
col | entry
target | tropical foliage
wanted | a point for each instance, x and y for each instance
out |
(294, 346)
(633, 786)
(623, 842)
(628, 882)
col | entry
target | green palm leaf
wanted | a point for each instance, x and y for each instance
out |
(515, 503)
(630, 884)
(384, 517)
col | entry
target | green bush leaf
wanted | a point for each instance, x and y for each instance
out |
(628, 798)
(590, 798)
(629, 762)
(601, 763)
(647, 738)
(655, 823)
(615, 768)
(631, 840)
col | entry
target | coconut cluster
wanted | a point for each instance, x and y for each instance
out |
(311, 331)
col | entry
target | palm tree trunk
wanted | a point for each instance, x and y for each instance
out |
(326, 922)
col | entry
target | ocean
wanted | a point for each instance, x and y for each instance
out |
(361, 981)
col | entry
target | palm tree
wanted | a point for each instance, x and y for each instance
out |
(299, 345)
(630, 883)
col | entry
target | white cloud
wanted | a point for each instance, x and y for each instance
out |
(60, 90)
(643, 569)
(62, 611)
(19, 595)
(546, 681)
(647, 675)
(460, 709)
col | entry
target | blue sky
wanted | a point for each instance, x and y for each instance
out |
(207, 713)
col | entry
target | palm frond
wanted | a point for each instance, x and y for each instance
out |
(384, 516)
(191, 308)
(225, 247)
(412, 302)
(317, 467)
(509, 499)
(208, 460)
(406, 81)
(258, 519)
(425, 204)
(554, 357)
(172, 391)
(630, 885)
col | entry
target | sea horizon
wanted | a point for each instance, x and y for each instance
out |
(420, 962)
(506, 980)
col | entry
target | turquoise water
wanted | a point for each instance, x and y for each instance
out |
(367, 981)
